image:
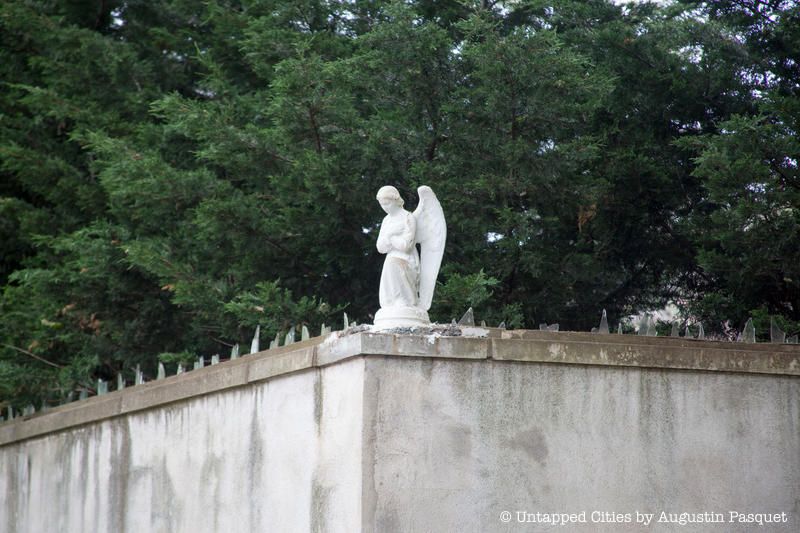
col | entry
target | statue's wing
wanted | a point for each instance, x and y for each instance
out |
(431, 235)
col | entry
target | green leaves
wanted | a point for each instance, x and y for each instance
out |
(176, 173)
(275, 310)
(748, 234)
(460, 292)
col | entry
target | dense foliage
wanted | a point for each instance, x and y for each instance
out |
(174, 173)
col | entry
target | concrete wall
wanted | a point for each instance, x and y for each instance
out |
(377, 432)
(460, 442)
(280, 455)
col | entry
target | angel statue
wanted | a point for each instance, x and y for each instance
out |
(408, 280)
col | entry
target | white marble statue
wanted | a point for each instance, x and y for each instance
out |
(408, 280)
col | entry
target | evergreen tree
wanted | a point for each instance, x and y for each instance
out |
(174, 173)
(747, 228)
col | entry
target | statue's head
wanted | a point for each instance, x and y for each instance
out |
(389, 198)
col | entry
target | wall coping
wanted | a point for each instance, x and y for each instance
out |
(525, 346)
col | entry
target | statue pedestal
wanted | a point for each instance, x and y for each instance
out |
(401, 317)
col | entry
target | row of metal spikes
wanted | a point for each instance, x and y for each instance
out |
(139, 379)
(647, 327)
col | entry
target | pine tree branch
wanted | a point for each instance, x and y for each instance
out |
(38, 358)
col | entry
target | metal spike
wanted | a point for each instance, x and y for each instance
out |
(29, 410)
(215, 359)
(346, 321)
(603, 328)
(619, 328)
(46, 406)
(289, 339)
(83, 395)
(325, 330)
(353, 324)
(102, 387)
(139, 376)
(502, 325)
(543, 326)
(651, 329)
(256, 339)
(701, 334)
(749, 331)
(775, 333)
(453, 322)
(200, 363)
(468, 319)
(120, 382)
(676, 330)
(644, 326)
(687, 333)
(483, 323)
(274, 343)
(792, 340)
(552, 327)
(304, 334)
(594, 330)
(235, 351)
(10, 413)
(181, 370)
(162, 372)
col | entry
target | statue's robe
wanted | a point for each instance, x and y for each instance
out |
(400, 276)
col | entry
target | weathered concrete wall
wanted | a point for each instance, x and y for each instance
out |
(376, 432)
(457, 443)
(281, 455)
